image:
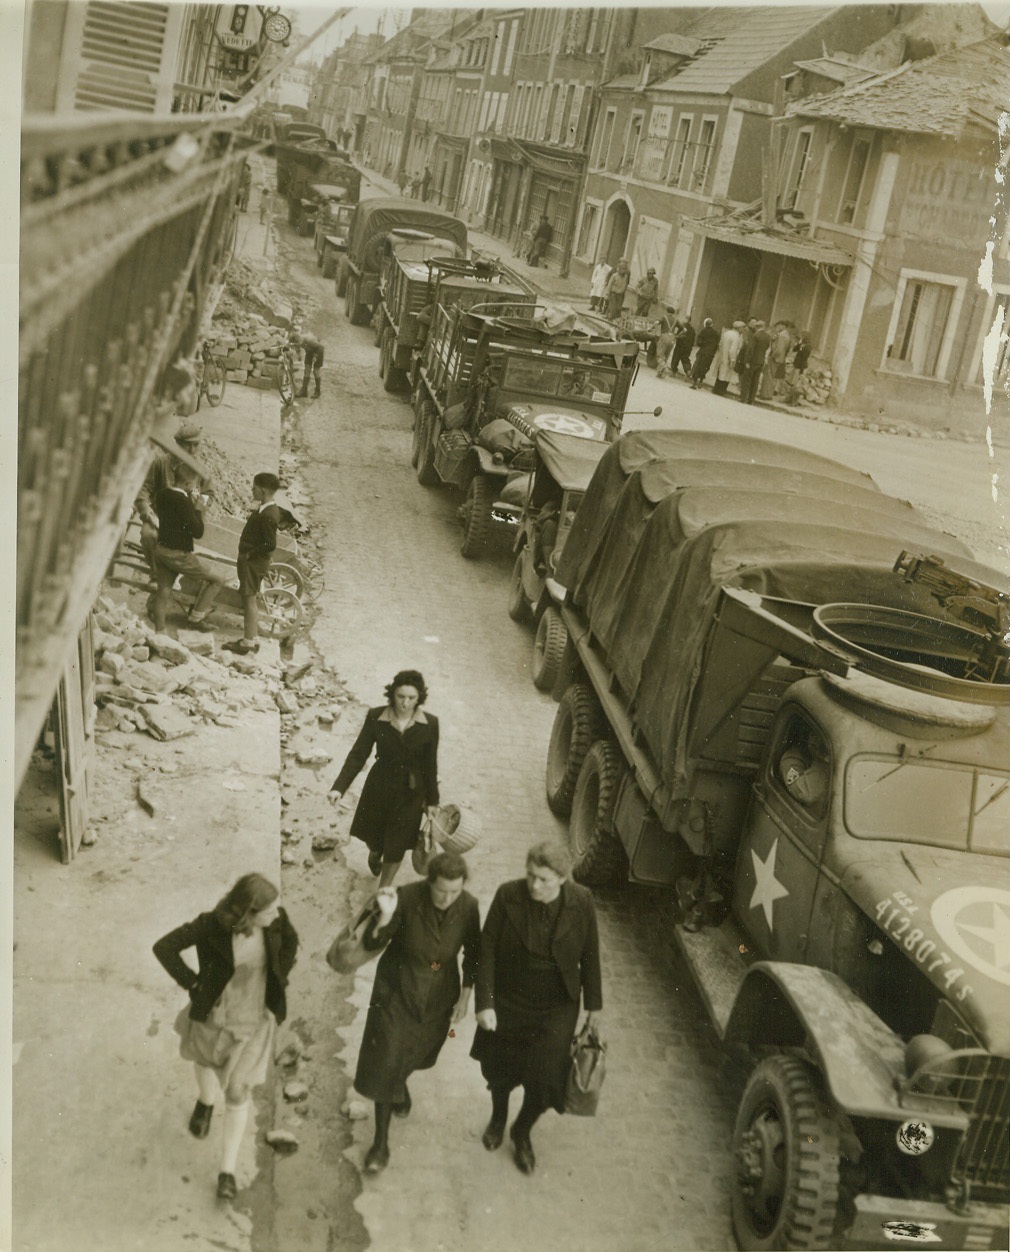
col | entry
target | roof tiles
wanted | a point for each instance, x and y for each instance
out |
(935, 96)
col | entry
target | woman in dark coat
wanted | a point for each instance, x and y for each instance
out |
(245, 950)
(539, 953)
(707, 344)
(417, 995)
(403, 783)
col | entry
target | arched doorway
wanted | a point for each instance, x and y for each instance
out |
(616, 226)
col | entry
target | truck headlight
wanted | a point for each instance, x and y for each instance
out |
(915, 1136)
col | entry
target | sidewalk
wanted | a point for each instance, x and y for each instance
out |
(102, 1161)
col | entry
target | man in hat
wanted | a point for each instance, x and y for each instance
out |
(158, 477)
(617, 286)
(647, 292)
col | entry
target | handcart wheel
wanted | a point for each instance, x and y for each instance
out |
(283, 612)
(280, 574)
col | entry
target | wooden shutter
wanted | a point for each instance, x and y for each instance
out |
(123, 48)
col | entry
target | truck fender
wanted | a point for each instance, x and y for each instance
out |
(801, 1006)
(482, 462)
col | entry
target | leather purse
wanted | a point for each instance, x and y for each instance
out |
(347, 952)
(586, 1072)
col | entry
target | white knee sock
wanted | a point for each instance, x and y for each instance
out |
(235, 1118)
(207, 1085)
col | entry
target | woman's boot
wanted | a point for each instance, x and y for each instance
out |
(494, 1133)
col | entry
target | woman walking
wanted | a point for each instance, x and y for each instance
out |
(245, 949)
(539, 953)
(417, 995)
(403, 783)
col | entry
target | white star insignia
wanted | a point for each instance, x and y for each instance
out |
(998, 935)
(767, 888)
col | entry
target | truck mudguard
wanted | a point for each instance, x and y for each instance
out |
(484, 463)
(791, 1005)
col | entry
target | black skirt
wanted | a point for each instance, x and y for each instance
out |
(395, 1044)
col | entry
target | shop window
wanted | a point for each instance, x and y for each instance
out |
(922, 324)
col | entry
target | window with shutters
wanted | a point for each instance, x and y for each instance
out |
(561, 113)
(502, 106)
(122, 57)
(680, 162)
(550, 108)
(798, 168)
(513, 32)
(923, 320)
(499, 41)
(855, 177)
(632, 139)
(606, 136)
(573, 131)
(703, 155)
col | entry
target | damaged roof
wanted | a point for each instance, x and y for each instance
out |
(940, 95)
(734, 42)
(843, 72)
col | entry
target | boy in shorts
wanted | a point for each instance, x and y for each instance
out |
(255, 551)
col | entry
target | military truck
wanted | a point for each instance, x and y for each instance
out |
(489, 379)
(331, 230)
(386, 224)
(304, 162)
(772, 706)
(412, 286)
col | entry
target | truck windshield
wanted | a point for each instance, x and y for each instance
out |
(423, 249)
(931, 802)
(553, 378)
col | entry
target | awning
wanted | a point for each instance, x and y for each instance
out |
(784, 243)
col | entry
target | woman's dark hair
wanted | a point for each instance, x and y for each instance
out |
(448, 865)
(407, 678)
(551, 855)
(250, 894)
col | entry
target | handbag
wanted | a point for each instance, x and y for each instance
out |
(585, 1073)
(348, 952)
(423, 850)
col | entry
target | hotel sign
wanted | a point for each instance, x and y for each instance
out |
(948, 201)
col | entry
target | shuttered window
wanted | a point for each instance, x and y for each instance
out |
(122, 50)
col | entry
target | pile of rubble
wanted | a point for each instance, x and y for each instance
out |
(249, 347)
(232, 488)
(813, 386)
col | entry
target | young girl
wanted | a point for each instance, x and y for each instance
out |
(245, 950)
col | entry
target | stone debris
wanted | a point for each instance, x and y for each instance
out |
(283, 1142)
(248, 346)
(286, 702)
(288, 857)
(165, 721)
(197, 642)
(354, 1110)
(293, 672)
(288, 1056)
(295, 1092)
(324, 843)
(313, 757)
(144, 800)
(167, 648)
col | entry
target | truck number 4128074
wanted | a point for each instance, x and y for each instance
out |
(894, 916)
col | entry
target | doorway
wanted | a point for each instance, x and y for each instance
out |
(618, 224)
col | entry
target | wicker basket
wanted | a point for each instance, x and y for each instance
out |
(454, 829)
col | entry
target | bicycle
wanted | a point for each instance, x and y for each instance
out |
(212, 379)
(286, 374)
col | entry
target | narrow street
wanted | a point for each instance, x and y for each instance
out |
(653, 1169)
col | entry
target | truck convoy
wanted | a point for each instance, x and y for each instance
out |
(787, 697)
(488, 378)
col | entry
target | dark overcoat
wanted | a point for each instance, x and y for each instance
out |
(402, 781)
(217, 964)
(417, 984)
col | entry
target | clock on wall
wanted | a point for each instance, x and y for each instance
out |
(277, 28)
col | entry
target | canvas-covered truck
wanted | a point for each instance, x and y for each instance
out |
(410, 288)
(385, 224)
(788, 699)
(305, 158)
(487, 381)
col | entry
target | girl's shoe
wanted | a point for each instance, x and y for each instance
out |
(199, 1123)
(227, 1188)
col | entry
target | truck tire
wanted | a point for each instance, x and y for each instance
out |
(340, 281)
(378, 328)
(427, 443)
(548, 648)
(328, 264)
(598, 855)
(475, 517)
(350, 297)
(360, 313)
(519, 606)
(415, 439)
(578, 723)
(786, 1148)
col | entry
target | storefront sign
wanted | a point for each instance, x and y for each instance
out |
(237, 43)
(950, 201)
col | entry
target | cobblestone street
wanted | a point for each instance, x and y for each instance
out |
(651, 1171)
